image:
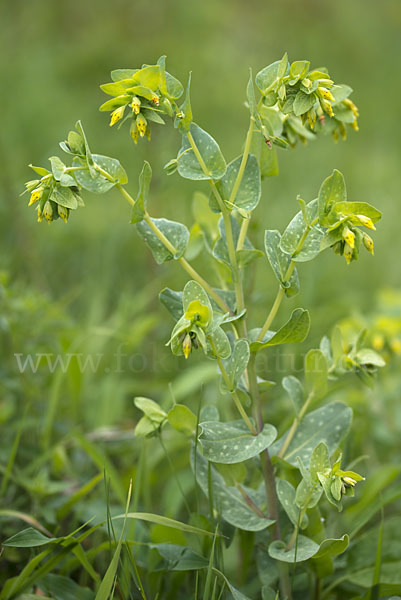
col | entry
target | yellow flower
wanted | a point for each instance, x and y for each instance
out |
(63, 212)
(141, 124)
(349, 236)
(116, 115)
(366, 221)
(48, 212)
(187, 345)
(136, 105)
(326, 94)
(35, 196)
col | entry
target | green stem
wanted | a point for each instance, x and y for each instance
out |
(234, 395)
(244, 160)
(242, 233)
(227, 224)
(172, 249)
(295, 425)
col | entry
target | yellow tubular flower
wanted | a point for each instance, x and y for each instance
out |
(368, 243)
(48, 212)
(187, 345)
(35, 196)
(326, 94)
(134, 132)
(349, 236)
(136, 105)
(63, 212)
(348, 252)
(141, 124)
(366, 221)
(40, 215)
(327, 108)
(116, 115)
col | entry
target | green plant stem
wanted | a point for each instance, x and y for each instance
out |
(172, 249)
(295, 425)
(236, 398)
(227, 225)
(242, 166)
(242, 233)
(281, 291)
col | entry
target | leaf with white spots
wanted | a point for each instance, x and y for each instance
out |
(219, 342)
(188, 164)
(96, 182)
(232, 442)
(175, 232)
(295, 330)
(302, 550)
(296, 229)
(194, 291)
(295, 390)
(237, 364)
(279, 262)
(249, 191)
(229, 501)
(329, 424)
(316, 373)
(220, 250)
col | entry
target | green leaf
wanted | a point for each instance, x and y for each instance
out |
(250, 94)
(96, 182)
(249, 191)
(279, 262)
(367, 356)
(182, 419)
(228, 500)
(176, 233)
(268, 76)
(88, 153)
(298, 70)
(332, 547)
(172, 300)
(220, 250)
(319, 462)
(116, 102)
(62, 588)
(188, 165)
(332, 190)
(194, 291)
(340, 92)
(232, 442)
(150, 408)
(28, 538)
(266, 157)
(302, 103)
(286, 496)
(296, 229)
(329, 424)
(64, 197)
(169, 85)
(237, 363)
(295, 390)
(356, 208)
(302, 550)
(316, 373)
(139, 209)
(167, 522)
(40, 170)
(186, 109)
(179, 558)
(220, 344)
(293, 331)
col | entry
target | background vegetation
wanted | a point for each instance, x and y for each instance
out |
(91, 288)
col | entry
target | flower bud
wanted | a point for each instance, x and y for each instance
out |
(48, 211)
(167, 106)
(116, 115)
(368, 242)
(366, 221)
(187, 345)
(352, 106)
(134, 131)
(326, 94)
(141, 124)
(348, 253)
(35, 196)
(349, 236)
(155, 99)
(136, 105)
(63, 212)
(40, 214)
(327, 107)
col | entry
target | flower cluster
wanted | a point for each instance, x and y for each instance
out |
(141, 96)
(308, 100)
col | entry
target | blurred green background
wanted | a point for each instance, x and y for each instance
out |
(91, 287)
